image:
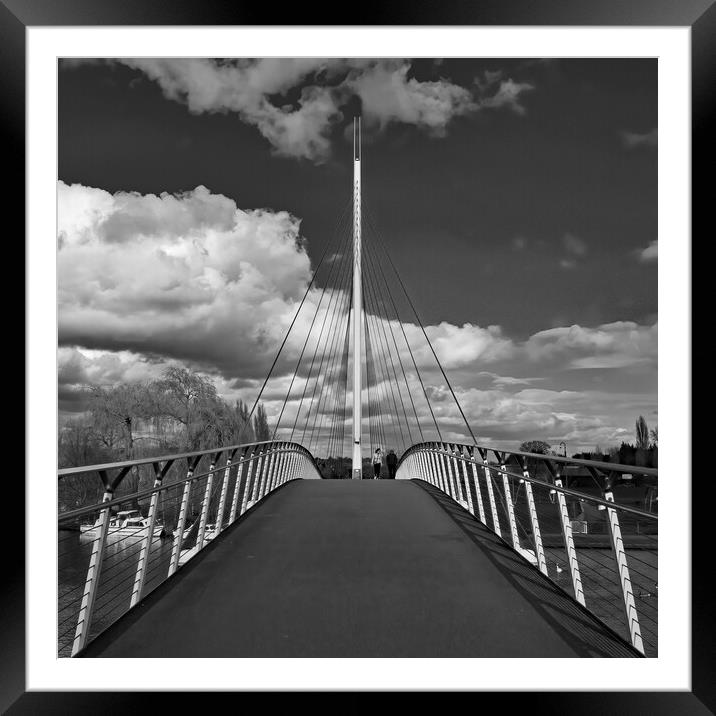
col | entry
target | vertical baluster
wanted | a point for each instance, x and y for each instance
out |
(141, 573)
(508, 500)
(536, 534)
(250, 478)
(205, 502)
(461, 466)
(224, 489)
(450, 460)
(615, 533)
(258, 479)
(179, 536)
(476, 482)
(490, 493)
(437, 457)
(567, 534)
(84, 618)
(240, 468)
(268, 474)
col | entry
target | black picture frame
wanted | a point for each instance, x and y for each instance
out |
(699, 15)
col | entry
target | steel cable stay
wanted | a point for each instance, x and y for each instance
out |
(405, 337)
(379, 436)
(339, 399)
(334, 354)
(332, 300)
(377, 387)
(333, 264)
(332, 311)
(382, 245)
(390, 380)
(320, 375)
(382, 383)
(397, 353)
(393, 355)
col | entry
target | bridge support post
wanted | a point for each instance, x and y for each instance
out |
(84, 618)
(536, 534)
(617, 543)
(357, 465)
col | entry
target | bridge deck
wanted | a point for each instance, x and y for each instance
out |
(339, 568)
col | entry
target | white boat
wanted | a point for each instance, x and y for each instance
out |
(209, 531)
(128, 523)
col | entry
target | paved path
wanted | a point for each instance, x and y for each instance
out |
(348, 568)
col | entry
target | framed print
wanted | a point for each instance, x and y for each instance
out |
(349, 352)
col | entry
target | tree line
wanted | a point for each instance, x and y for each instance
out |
(179, 412)
(643, 452)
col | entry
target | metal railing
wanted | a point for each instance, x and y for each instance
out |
(126, 527)
(602, 553)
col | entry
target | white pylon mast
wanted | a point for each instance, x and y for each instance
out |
(357, 471)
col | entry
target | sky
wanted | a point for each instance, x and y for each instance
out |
(518, 199)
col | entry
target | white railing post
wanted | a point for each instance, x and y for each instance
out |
(206, 501)
(510, 506)
(258, 480)
(567, 534)
(268, 475)
(450, 459)
(237, 486)
(84, 618)
(438, 471)
(615, 534)
(461, 466)
(476, 482)
(536, 534)
(222, 496)
(250, 479)
(491, 494)
(179, 536)
(141, 573)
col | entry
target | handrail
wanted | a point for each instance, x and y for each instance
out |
(125, 559)
(65, 471)
(571, 548)
(597, 464)
(565, 490)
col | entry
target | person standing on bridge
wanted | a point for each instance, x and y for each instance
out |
(377, 462)
(391, 460)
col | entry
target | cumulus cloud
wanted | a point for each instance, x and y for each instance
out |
(611, 345)
(257, 90)
(633, 140)
(650, 253)
(148, 281)
(190, 276)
